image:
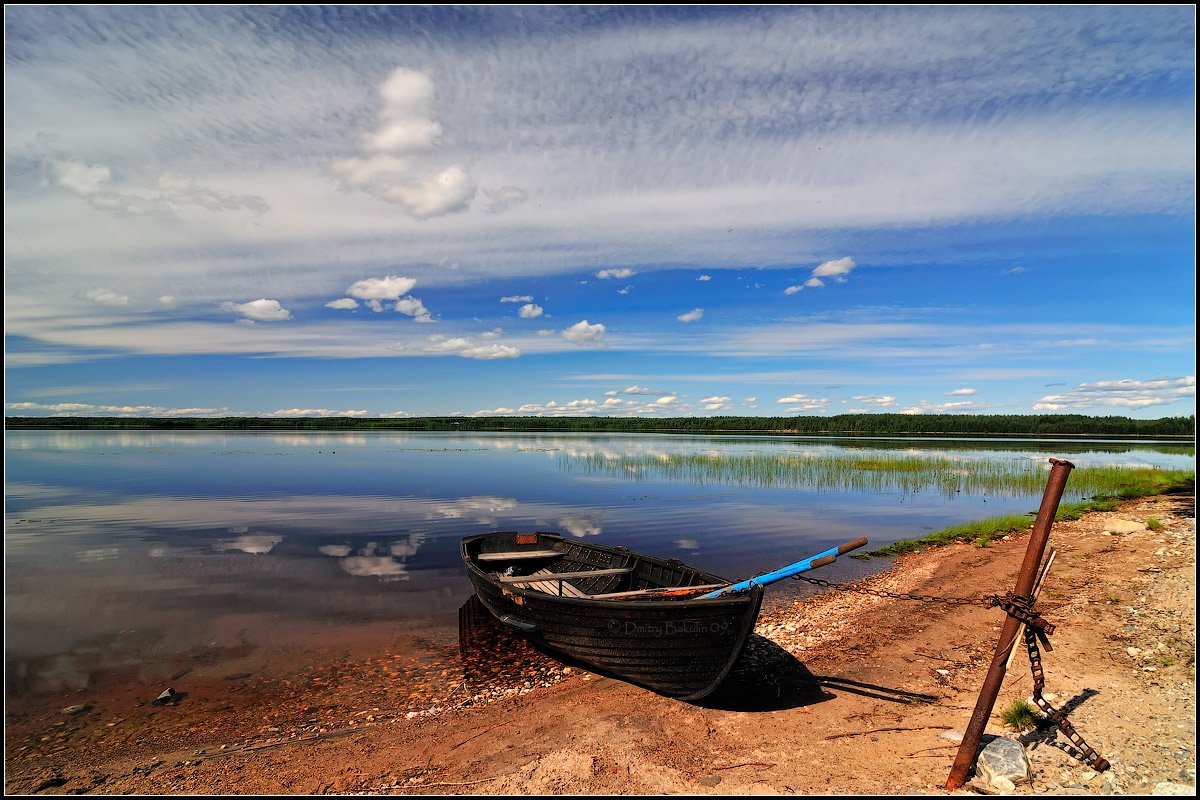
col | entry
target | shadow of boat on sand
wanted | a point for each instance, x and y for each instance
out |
(765, 677)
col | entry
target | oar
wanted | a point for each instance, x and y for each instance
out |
(822, 559)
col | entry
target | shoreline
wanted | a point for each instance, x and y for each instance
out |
(838, 693)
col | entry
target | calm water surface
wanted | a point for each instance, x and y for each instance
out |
(125, 549)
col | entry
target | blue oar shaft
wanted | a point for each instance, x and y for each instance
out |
(825, 557)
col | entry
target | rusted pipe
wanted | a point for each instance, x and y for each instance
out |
(967, 751)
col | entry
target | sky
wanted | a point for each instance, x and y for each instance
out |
(619, 211)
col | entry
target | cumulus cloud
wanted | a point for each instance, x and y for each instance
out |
(389, 288)
(405, 129)
(635, 389)
(623, 272)
(837, 269)
(583, 332)
(413, 308)
(405, 126)
(342, 304)
(716, 403)
(529, 311)
(434, 195)
(316, 412)
(798, 403)
(463, 346)
(261, 310)
(963, 391)
(704, 278)
(1121, 394)
(691, 316)
(517, 298)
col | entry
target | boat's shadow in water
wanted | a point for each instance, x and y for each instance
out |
(496, 658)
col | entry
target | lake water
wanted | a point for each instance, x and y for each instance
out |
(124, 550)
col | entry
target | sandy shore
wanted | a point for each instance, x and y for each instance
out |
(842, 693)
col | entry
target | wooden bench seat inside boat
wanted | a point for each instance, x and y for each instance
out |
(558, 583)
(517, 555)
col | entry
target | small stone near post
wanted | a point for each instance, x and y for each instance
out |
(1004, 758)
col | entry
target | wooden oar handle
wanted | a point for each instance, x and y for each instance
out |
(823, 562)
(848, 546)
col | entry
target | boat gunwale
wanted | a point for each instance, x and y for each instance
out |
(737, 598)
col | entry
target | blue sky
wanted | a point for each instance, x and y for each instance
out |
(621, 211)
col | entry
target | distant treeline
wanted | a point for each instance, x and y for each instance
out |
(841, 425)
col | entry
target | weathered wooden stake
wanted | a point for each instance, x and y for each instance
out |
(967, 751)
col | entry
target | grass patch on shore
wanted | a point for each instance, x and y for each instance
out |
(1137, 483)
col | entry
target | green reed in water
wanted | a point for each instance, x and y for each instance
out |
(876, 473)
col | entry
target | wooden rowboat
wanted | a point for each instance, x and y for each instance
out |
(657, 623)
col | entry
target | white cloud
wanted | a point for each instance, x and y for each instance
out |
(168, 300)
(876, 399)
(625, 290)
(691, 316)
(799, 403)
(165, 196)
(814, 283)
(89, 409)
(962, 391)
(405, 129)
(665, 401)
(405, 125)
(316, 412)
(635, 389)
(837, 269)
(583, 332)
(344, 303)
(716, 403)
(433, 195)
(413, 308)
(262, 310)
(529, 311)
(1126, 393)
(623, 272)
(463, 346)
(107, 297)
(389, 288)
(704, 278)
(517, 298)
(792, 289)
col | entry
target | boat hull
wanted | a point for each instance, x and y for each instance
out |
(679, 647)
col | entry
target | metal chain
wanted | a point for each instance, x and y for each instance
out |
(1036, 629)
(1094, 759)
(987, 602)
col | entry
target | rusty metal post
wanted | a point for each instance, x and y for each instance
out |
(967, 751)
